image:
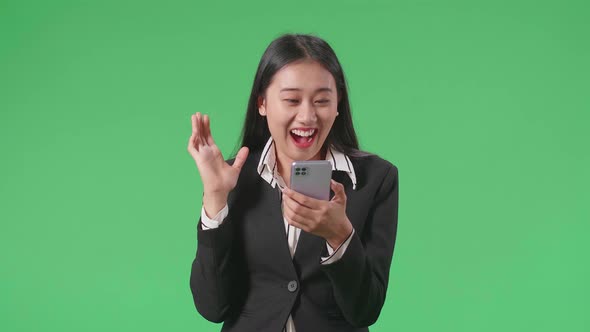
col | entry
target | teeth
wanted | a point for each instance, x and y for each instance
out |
(303, 133)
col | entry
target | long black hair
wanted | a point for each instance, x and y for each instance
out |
(282, 51)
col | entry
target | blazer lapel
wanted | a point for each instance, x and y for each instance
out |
(276, 227)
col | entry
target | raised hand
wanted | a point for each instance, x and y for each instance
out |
(217, 176)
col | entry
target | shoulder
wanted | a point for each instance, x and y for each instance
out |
(373, 170)
(375, 163)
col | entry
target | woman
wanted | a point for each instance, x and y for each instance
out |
(269, 258)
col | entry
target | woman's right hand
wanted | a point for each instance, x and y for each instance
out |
(217, 176)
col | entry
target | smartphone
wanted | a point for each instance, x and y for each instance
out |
(312, 178)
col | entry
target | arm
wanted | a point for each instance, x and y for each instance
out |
(212, 268)
(360, 277)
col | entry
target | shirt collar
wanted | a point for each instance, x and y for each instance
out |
(268, 170)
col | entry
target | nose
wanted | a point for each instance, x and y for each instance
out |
(306, 113)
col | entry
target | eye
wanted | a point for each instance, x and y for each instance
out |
(292, 101)
(323, 101)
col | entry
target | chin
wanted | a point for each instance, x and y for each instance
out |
(308, 155)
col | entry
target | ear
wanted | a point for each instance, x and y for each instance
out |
(261, 103)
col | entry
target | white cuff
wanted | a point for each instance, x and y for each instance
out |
(335, 255)
(208, 223)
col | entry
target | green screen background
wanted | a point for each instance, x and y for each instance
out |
(483, 106)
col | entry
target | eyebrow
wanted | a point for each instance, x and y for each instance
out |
(297, 89)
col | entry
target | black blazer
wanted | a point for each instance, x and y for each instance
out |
(243, 273)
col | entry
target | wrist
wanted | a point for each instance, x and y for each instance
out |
(341, 236)
(214, 190)
(214, 202)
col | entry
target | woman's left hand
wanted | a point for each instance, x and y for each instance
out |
(322, 218)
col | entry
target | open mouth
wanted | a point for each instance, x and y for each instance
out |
(303, 138)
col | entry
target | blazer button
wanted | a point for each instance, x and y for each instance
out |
(292, 286)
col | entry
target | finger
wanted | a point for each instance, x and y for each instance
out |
(196, 133)
(295, 220)
(339, 192)
(304, 200)
(194, 122)
(192, 146)
(302, 227)
(202, 138)
(204, 130)
(197, 125)
(208, 135)
(297, 208)
(196, 138)
(207, 131)
(241, 158)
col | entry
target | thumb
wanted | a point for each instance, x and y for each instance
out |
(240, 158)
(338, 189)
